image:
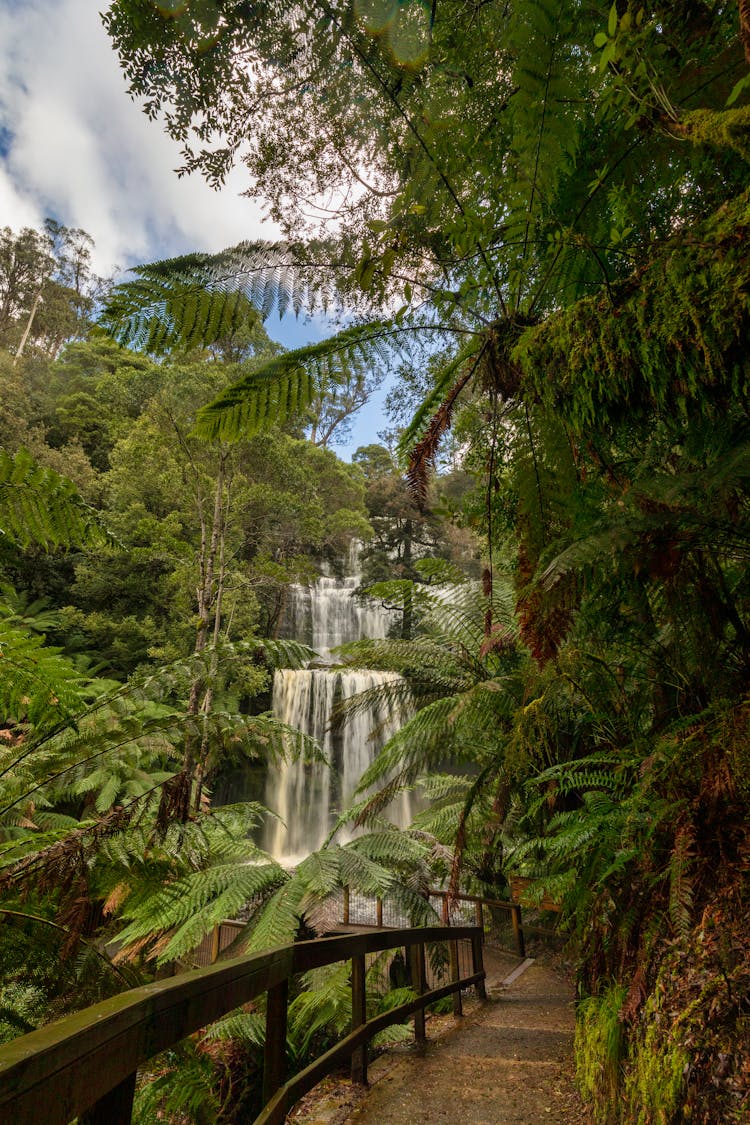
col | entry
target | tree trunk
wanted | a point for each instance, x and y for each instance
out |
(27, 329)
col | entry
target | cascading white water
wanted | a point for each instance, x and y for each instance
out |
(307, 798)
(327, 614)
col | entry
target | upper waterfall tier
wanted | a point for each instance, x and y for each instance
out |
(327, 614)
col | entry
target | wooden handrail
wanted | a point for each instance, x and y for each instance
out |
(84, 1065)
(513, 908)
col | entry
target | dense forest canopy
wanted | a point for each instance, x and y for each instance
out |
(537, 213)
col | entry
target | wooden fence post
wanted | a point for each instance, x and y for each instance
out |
(215, 944)
(359, 1016)
(458, 1009)
(346, 906)
(115, 1108)
(417, 966)
(518, 930)
(379, 912)
(478, 963)
(274, 1052)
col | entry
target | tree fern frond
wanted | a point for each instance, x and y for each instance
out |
(546, 136)
(363, 873)
(191, 906)
(38, 686)
(394, 849)
(370, 811)
(181, 303)
(285, 385)
(278, 921)
(422, 735)
(271, 276)
(324, 1003)
(244, 1027)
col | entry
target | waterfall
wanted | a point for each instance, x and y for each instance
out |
(307, 798)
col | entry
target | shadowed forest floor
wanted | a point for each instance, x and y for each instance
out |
(505, 1062)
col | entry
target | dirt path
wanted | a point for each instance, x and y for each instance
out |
(506, 1062)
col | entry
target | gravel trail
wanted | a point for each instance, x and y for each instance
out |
(505, 1062)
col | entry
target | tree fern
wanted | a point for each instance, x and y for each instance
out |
(177, 917)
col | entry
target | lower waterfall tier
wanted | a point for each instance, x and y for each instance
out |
(308, 798)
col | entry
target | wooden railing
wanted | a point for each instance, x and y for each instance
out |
(512, 908)
(85, 1065)
(447, 900)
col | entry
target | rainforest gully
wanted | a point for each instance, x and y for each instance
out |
(240, 673)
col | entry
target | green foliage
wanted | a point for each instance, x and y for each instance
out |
(38, 686)
(200, 298)
(599, 1050)
(553, 201)
(167, 308)
(39, 506)
(323, 1007)
(184, 1088)
(175, 918)
(654, 1088)
(670, 339)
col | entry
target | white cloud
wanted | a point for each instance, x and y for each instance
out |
(78, 148)
(75, 147)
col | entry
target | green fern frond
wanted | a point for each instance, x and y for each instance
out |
(38, 506)
(278, 921)
(325, 1003)
(38, 687)
(394, 850)
(546, 136)
(680, 881)
(174, 305)
(440, 787)
(363, 873)
(423, 737)
(285, 385)
(191, 906)
(244, 1027)
(184, 1089)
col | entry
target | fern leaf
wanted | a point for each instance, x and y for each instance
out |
(288, 383)
(38, 506)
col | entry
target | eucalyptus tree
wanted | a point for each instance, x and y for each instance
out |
(48, 288)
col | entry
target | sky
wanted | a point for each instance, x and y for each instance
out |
(75, 147)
